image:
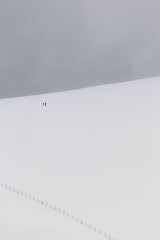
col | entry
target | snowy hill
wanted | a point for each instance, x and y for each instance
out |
(94, 152)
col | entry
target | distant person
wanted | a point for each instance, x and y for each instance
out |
(45, 104)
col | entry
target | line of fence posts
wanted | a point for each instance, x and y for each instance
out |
(57, 209)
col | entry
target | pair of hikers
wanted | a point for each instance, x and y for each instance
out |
(44, 104)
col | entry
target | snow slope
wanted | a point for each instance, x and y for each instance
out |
(94, 152)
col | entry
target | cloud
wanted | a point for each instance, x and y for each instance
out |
(56, 45)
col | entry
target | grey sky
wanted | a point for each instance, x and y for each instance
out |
(52, 45)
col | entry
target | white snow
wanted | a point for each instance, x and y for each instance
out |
(94, 152)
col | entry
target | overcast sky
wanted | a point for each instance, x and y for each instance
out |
(53, 45)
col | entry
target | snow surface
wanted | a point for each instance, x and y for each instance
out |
(94, 152)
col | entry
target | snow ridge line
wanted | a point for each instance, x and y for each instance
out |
(58, 210)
